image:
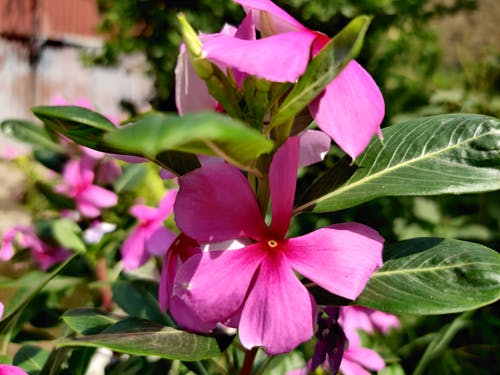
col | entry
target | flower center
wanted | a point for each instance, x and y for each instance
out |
(272, 243)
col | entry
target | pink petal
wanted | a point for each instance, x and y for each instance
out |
(71, 173)
(282, 180)
(384, 322)
(216, 203)
(278, 313)
(11, 370)
(274, 21)
(368, 358)
(166, 206)
(1, 310)
(191, 93)
(340, 258)
(159, 241)
(349, 367)
(143, 212)
(278, 58)
(99, 196)
(108, 172)
(350, 109)
(86, 208)
(314, 146)
(133, 250)
(213, 285)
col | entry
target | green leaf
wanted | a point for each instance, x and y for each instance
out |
(132, 176)
(62, 231)
(30, 133)
(15, 308)
(433, 276)
(445, 154)
(82, 125)
(87, 321)
(31, 359)
(323, 68)
(138, 302)
(201, 133)
(138, 337)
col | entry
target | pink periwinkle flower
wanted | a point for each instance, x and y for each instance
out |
(254, 287)
(150, 237)
(350, 109)
(44, 254)
(11, 370)
(78, 183)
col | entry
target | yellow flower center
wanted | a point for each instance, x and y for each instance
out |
(272, 243)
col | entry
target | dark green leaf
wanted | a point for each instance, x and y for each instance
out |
(87, 321)
(434, 276)
(54, 362)
(137, 337)
(58, 200)
(201, 133)
(82, 125)
(62, 231)
(445, 154)
(31, 359)
(17, 306)
(325, 66)
(138, 302)
(31, 134)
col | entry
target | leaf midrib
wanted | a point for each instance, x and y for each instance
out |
(426, 269)
(386, 170)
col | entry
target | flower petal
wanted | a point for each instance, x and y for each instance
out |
(278, 58)
(314, 146)
(349, 367)
(11, 370)
(350, 109)
(191, 93)
(213, 285)
(282, 180)
(368, 358)
(340, 258)
(133, 251)
(278, 313)
(159, 241)
(216, 203)
(274, 21)
(99, 196)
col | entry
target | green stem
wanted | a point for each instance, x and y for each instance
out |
(443, 338)
(247, 367)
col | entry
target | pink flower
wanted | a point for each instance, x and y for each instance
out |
(351, 107)
(149, 237)
(11, 370)
(44, 254)
(356, 358)
(255, 288)
(78, 176)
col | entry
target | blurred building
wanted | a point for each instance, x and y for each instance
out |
(41, 42)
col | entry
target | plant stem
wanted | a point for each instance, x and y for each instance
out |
(102, 275)
(247, 367)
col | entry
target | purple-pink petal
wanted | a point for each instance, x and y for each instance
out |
(278, 58)
(159, 241)
(365, 357)
(282, 180)
(216, 203)
(132, 251)
(314, 146)
(350, 109)
(340, 258)
(99, 196)
(214, 284)
(11, 370)
(278, 313)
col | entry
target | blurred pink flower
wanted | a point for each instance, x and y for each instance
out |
(255, 288)
(149, 237)
(11, 370)
(78, 179)
(350, 109)
(44, 254)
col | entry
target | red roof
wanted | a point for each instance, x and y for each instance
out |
(51, 19)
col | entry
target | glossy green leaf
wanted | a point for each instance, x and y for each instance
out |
(138, 302)
(15, 307)
(201, 133)
(434, 276)
(30, 133)
(138, 337)
(445, 154)
(325, 66)
(82, 125)
(87, 321)
(31, 358)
